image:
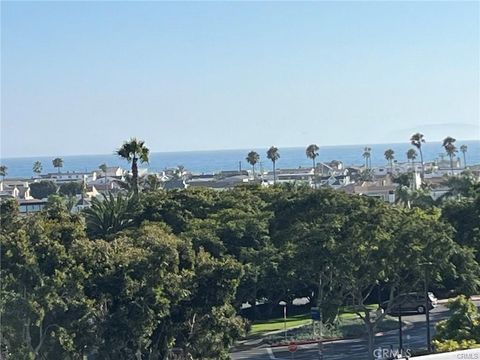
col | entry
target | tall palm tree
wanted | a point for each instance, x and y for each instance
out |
(273, 155)
(312, 152)
(411, 156)
(37, 167)
(104, 168)
(57, 163)
(252, 158)
(450, 149)
(463, 149)
(133, 151)
(367, 153)
(3, 171)
(390, 155)
(417, 140)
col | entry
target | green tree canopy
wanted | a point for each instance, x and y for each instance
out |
(43, 189)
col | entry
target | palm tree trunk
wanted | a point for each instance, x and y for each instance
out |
(274, 174)
(314, 172)
(451, 163)
(253, 171)
(423, 165)
(464, 161)
(135, 175)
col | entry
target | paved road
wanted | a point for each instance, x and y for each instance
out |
(413, 337)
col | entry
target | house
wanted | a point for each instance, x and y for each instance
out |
(298, 175)
(81, 204)
(230, 173)
(219, 184)
(103, 184)
(91, 191)
(114, 172)
(324, 169)
(384, 190)
(71, 176)
(17, 189)
(175, 184)
(30, 206)
(334, 181)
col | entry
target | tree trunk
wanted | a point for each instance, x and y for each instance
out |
(423, 165)
(135, 175)
(464, 161)
(451, 163)
(371, 342)
(274, 174)
(314, 173)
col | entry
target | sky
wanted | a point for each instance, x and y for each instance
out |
(82, 77)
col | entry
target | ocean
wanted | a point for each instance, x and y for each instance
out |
(214, 161)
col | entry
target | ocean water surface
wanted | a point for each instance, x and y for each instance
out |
(218, 160)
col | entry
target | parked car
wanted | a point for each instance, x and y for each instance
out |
(410, 303)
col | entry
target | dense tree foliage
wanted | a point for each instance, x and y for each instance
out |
(43, 189)
(462, 329)
(139, 275)
(70, 188)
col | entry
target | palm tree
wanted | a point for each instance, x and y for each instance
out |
(133, 151)
(450, 149)
(252, 158)
(312, 152)
(404, 195)
(390, 155)
(463, 149)
(110, 215)
(411, 156)
(367, 153)
(3, 171)
(37, 167)
(273, 155)
(416, 140)
(57, 163)
(104, 168)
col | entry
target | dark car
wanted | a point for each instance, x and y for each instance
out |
(410, 303)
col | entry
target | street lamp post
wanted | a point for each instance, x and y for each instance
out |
(400, 330)
(284, 304)
(427, 306)
(320, 309)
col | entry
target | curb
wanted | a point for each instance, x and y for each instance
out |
(406, 326)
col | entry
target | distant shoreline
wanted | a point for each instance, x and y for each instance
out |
(213, 161)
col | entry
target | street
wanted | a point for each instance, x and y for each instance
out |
(414, 336)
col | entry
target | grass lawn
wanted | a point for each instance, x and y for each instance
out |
(263, 326)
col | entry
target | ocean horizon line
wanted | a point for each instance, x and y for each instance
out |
(233, 149)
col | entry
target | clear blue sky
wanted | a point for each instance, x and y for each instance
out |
(81, 77)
